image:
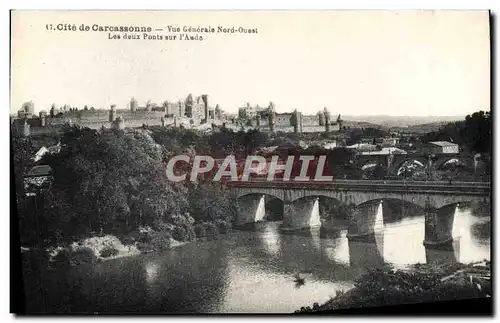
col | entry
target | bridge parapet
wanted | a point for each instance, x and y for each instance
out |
(436, 194)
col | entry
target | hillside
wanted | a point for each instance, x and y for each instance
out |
(401, 121)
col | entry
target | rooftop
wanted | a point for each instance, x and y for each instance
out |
(442, 143)
(41, 170)
(386, 151)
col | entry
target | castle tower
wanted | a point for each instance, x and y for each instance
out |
(166, 104)
(218, 112)
(119, 123)
(340, 122)
(204, 98)
(53, 110)
(27, 110)
(43, 118)
(271, 122)
(327, 119)
(181, 109)
(295, 121)
(112, 113)
(257, 119)
(321, 118)
(300, 122)
(133, 105)
(271, 112)
(189, 106)
(26, 128)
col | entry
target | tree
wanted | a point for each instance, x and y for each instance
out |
(473, 133)
(477, 132)
(109, 182)
(22, 153)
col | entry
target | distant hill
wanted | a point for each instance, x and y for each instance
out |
(361, 124)
(402, 121)
(423, 128)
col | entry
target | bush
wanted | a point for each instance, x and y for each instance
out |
(82, 255)
(144, 247)
(200, 231)
(128, 240)
(62, 258)
(144, 237)
(211, 230)
(108, 251)
(223, 226)
(160, 242)
(162, 226)
(180, 233)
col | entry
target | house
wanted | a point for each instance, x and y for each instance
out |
(385, 151)
(44, 150)
(442, 147)
(390, 142)
(330, 145)
(362, 147)
(38, 178)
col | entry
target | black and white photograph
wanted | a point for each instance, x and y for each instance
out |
(251, 161)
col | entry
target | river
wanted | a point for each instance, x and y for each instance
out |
(253, 270)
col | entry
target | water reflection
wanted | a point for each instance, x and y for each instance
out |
(253, 270)
(364, 256)
(474, 241)
(403, 242)
(151, 271)
(270, 239)
(451, 254)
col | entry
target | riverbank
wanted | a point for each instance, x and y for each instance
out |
(98, 248)
(419, 283)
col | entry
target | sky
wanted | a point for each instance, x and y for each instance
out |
(413, 63)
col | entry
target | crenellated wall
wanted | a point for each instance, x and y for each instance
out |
(310, 121)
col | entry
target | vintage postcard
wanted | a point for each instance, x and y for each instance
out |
(251, 161)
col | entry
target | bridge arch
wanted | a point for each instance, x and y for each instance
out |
(457, 200)
(428, 195)
(255, 207)
(374, 170)
(418, 200)
(396, 209)
(312, 195)
(465, 161)
(400, 162)
(333, 212)
(240, 193)
(371, 162)
(340, 196)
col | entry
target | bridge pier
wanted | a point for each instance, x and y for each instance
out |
(251, 208)
(387, 211)
(448, 254)
(439, 226)
(365, 222)
(301, 214)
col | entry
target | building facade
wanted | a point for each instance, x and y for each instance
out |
(442, 147)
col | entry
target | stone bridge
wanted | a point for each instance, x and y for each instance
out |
(393, 162)
(366, 198)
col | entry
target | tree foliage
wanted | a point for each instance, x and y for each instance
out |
(473, 133)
